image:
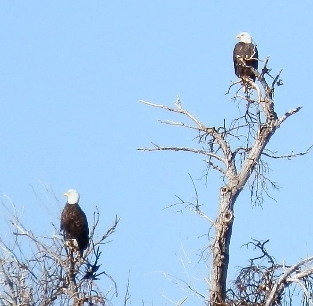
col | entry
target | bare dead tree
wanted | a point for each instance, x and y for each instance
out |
(238, 151)
(43, 271)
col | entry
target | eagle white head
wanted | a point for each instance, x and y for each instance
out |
(72, 196)
(244, 37)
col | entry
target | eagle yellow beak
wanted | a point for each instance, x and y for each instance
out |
(65, 194)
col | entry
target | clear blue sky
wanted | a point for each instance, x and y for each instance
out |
(71, 75)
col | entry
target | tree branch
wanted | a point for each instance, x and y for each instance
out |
(197, 151)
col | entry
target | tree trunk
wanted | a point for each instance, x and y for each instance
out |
(220, 249)
(225, 219)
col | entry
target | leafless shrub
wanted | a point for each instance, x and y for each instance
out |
(42, 271)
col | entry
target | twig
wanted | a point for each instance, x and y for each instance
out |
(288, 156)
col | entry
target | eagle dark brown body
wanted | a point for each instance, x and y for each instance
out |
(245, 56)
(74, 225)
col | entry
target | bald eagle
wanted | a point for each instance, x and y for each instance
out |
(245, 55)
(74, 222)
